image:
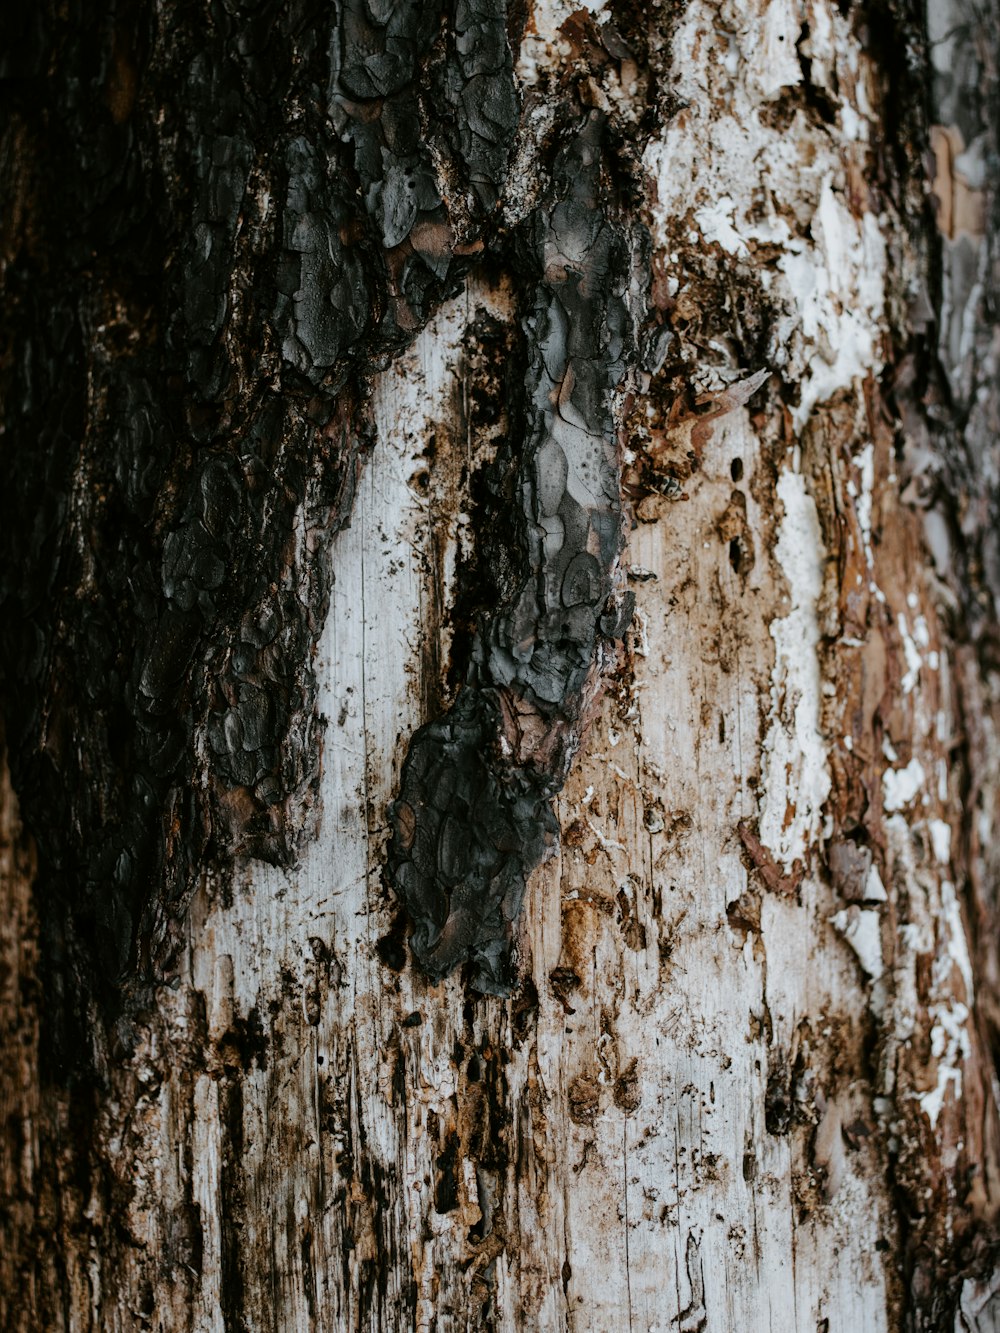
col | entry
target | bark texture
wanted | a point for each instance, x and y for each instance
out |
(442, 437)
(226, 221)
(473, 816)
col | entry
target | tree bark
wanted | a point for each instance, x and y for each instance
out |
(500, 611)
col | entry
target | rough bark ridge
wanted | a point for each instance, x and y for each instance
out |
(226, 219)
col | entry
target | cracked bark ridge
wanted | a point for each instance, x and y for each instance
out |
(226, 222)
(474, 812)
(376, 98)
(476, 107)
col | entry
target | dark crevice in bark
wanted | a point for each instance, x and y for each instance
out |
(232, 1205)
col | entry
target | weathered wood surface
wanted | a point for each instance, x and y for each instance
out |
(746, 1080)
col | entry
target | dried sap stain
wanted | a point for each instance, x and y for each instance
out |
(230, 224)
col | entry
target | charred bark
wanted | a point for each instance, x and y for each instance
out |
(475, 813)
(226, 222)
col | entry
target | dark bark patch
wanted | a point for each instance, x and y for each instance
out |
(474, 813)
(446, 1183)
(584, 1099)
(232, 1204)
(627, 1093)
(227, 229)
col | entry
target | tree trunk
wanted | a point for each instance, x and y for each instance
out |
(459, 454)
